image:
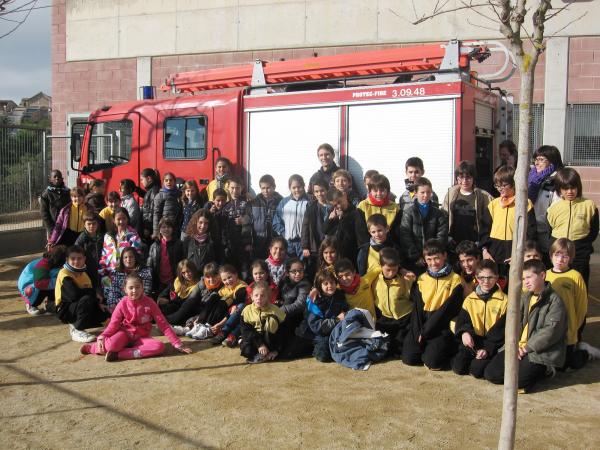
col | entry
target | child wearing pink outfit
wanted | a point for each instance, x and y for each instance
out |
(127, 336)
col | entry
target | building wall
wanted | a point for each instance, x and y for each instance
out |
(89, 72)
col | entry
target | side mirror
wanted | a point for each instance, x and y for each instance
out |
(75, 147)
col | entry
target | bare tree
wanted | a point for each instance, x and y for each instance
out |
(510, 17)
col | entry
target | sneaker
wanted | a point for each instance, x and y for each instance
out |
(522, 391)
(203, 333)
(179, 330)
(193, 330)
(80, 335)
(217, 339)
(32, 310)
(50, 308)
(256, 359)
(111, 356)
(230, 341)
(85, 349)
(593, 352)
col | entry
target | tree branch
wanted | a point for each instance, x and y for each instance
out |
(438, 10)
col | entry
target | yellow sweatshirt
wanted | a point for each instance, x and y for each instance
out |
(82, 280)
(364, 297)
(389, 211)
(484, 315)
(76, 218)
(392, 297)
(571, 219)
(571, 288)
(525, 333)
(108, 215)
(263, 319)
(503, 219)
(212, 187)
(228, 293)
(435, 291)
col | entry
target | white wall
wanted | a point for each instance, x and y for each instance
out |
(119, 29)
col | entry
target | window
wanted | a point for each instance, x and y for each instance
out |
(582, 140)
(110, 143)
(536, 127)
(185, 138)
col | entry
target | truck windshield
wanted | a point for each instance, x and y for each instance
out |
(110, 143)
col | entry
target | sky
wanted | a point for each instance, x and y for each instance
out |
(25, 53)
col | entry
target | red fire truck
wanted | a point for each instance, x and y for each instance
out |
(375, 108)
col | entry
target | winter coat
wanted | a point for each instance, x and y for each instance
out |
(407, 198)
(175, 252)
(355, 344)
(148, 206)
(92, 245)
(322, 175)
(236, 237)
(289, 217)
(52, 201)
(62, 223)
(368, 252)
(416, 229)
(135, 317)
(201, 253)
(313, 224)
(349, 232)
(546, 328)
(293, 297)
(482, 200)
(261, 219)
(95, 202)
(167, 204)
(38, 275)
(133, 209)
(111, 251)
(320, 316)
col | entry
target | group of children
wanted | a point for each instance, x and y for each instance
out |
(276, 275)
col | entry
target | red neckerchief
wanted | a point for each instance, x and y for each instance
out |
(379, 203)
(353, 288)
(275, 262)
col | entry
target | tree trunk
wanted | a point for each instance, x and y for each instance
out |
(513, 328)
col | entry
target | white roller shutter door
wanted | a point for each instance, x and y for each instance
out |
(384, 136)
(284, 142)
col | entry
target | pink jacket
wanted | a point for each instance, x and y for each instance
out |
(134, 317)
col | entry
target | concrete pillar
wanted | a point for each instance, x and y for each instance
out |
(144, 74)
(555, 92)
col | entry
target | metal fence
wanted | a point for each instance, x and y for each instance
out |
(24, 166)
(536, 127)
(582, 137)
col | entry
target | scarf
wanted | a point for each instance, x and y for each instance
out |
(506, 202)
(379, 203)
(221, 180)
(353, 287)
(201, 238)
(70, 268)
(485, 295)
(181, 290)
(274, 262)
(173, 191)
(375, 246)
(423, 209)
(211, 287)
(444, 271)
(535, 181)
(276, 269)
(468, 278)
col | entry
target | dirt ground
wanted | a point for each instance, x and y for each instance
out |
(53, 397)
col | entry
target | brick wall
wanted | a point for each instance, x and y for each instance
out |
(584, 70)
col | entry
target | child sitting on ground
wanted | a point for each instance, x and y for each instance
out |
(392, 300)
(259, 325)
(127, 336)
(234, 294)
(358, 290)
(293, 291)
(321, 316)
(183, 286)
(76, 300)
(480, 323)
(543, 331)
(570, 286)
(437, 296)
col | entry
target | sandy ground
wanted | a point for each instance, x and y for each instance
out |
(53, 397)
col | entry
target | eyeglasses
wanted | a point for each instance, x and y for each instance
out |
(486, 278)
(295, 271)
(502, 186)
(465, 177)
(540, 159)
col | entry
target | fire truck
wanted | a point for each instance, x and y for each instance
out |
(375, 108)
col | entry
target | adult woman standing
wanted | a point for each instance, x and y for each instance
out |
(542, 192)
